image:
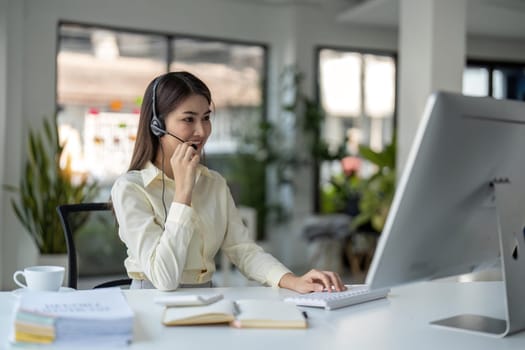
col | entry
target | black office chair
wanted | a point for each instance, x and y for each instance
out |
(86, 221)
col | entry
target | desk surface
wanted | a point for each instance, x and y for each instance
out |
(399, 322)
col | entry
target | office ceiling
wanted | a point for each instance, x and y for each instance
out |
(291, 2)
(498, 18)
(303, 2)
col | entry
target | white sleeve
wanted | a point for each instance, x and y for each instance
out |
(249, 257)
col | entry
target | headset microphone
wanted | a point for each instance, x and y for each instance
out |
(178, 138)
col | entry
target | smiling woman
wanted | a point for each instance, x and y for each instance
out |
(176, 248)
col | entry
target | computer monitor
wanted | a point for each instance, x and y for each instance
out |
(460, 204)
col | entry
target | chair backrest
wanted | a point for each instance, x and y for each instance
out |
(92, 227)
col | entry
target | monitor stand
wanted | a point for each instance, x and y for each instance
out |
(510, 209)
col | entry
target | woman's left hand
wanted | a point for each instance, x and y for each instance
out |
(313, 281)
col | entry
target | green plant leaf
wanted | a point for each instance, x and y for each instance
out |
(377, 192)
(43, 187)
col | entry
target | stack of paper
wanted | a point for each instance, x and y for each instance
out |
(89, 317)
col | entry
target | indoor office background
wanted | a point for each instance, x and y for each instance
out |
(87, 63)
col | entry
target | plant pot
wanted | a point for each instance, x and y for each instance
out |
(54, 260)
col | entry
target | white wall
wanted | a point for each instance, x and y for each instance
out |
(3, 111)
(497, 49)
(17, 249)
(27, 57)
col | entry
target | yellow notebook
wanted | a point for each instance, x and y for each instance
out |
(33, 338)
(247, 313)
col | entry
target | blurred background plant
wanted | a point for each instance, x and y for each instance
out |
(342, 193)
(377, 191)
(367, 200)
(45, 184)
(270, 150)
(310, 118)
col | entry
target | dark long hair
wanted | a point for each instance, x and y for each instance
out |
(172, 89)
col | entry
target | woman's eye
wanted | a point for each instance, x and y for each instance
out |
(188, 119)
(206, 117)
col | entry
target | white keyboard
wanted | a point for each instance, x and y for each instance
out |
(355, 294)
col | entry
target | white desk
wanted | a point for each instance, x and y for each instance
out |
(399, 322)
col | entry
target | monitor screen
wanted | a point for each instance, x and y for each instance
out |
(444, 219)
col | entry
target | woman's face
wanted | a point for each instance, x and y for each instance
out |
(190, 121)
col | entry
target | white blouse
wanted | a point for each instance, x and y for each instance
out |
(181, 248)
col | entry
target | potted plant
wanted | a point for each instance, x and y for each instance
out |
(44, 185)
(377, 191)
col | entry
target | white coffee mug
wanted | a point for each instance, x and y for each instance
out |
(44, 278)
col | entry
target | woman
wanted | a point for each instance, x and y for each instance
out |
(174, 214)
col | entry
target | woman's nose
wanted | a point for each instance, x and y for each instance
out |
(199, 129)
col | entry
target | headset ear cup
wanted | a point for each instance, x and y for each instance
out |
(157, 127)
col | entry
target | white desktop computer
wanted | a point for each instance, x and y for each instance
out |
(460, 204)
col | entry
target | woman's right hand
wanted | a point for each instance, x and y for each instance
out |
(184, 162)
(313, 281)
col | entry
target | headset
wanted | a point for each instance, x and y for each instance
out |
(157, 126)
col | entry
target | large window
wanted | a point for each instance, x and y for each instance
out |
(357, 94)
(496, 79)
(101, 77)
